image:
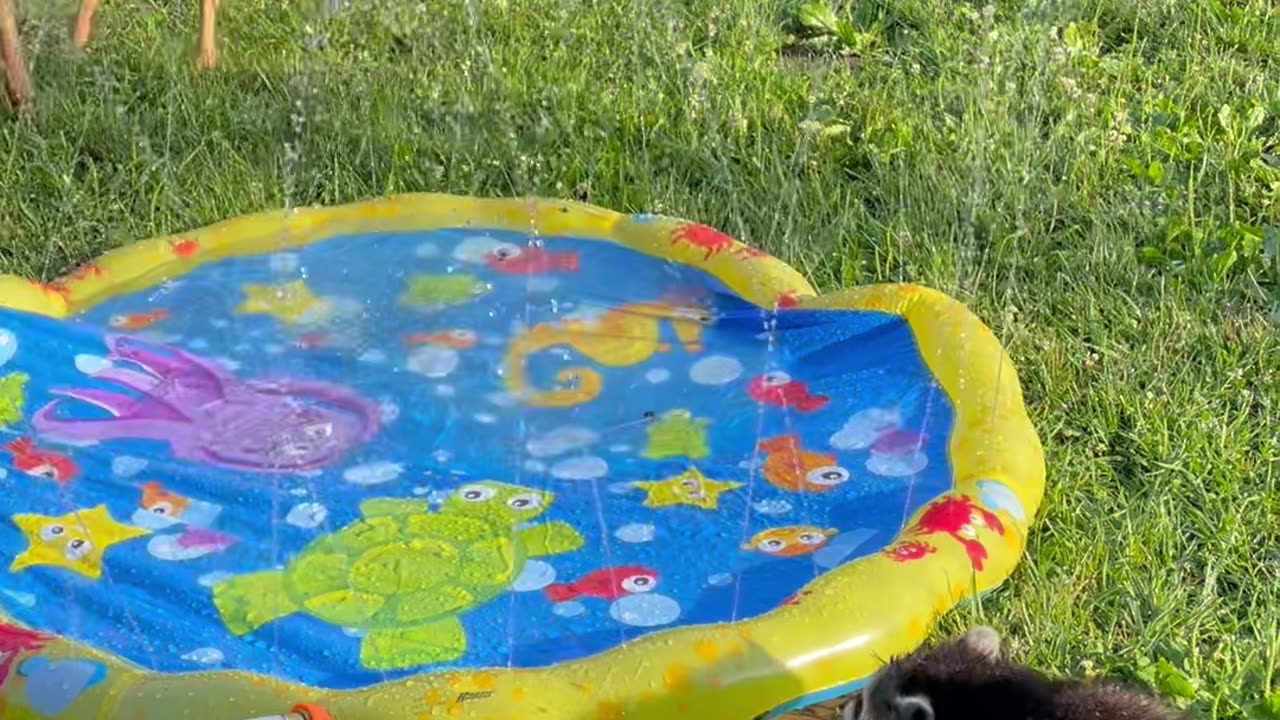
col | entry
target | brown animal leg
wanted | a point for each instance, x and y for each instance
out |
(17, 81)
(208, 34)
(84, 23)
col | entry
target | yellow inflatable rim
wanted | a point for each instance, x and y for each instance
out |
(851, 619)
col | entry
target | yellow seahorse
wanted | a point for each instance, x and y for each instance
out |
(624, 336)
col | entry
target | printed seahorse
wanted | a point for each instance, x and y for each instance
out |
(625, 336)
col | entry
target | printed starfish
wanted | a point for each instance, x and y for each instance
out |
(688, 488)
(75, 541)
(291, 303)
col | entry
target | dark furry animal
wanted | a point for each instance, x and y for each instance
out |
(966, 679)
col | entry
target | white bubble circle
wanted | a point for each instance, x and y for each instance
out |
(645, 610)
(715, 370)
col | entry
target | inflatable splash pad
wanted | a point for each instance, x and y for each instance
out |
(432, 456)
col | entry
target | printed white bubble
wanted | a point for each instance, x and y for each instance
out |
(621, 488)
(8, 346)
(389, 411)
(374, 473)
(560, 440)
(535, 576)
(426, 250)
(307, 515)
(475, 249)
(715, 370)
(862, 428)
(636, 533)
(485, 418)
(92, 364)
(589, 467)
(446, 390)
(503, 399)
(719, 579)
(433, 361)
(569, 609)
(125, 466)
(897, 465)
(657, 375)
(772, 507)
(373, 356)
(205, 656)
(535, 466)
(645, 610)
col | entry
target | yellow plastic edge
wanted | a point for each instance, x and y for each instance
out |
(840, 630)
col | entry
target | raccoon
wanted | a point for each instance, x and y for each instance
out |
(967, 679)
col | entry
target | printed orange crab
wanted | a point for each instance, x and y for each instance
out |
(795, 599)
(910, 550)
(705, 238)
(53, 288)
(747, 252)
(788, 299)
(84, 272)
(185, 248)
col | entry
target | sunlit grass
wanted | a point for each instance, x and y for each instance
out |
(1097, 178)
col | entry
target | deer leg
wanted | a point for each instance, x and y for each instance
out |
(17, 81)
(84, 23)
(208, 34)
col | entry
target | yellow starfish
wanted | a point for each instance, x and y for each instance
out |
(291, 303)
(690, 487)
(75, 541)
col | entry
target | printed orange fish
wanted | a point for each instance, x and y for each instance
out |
(790, 467)
(456, 339)
(161, 507)
(31, 460)
(791, 541)
(132, 322)
(159, 501)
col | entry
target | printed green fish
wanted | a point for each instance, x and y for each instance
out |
(433, 292)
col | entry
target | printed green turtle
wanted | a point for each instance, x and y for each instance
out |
(403, 573)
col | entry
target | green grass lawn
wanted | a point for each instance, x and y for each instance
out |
(1098, 179)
